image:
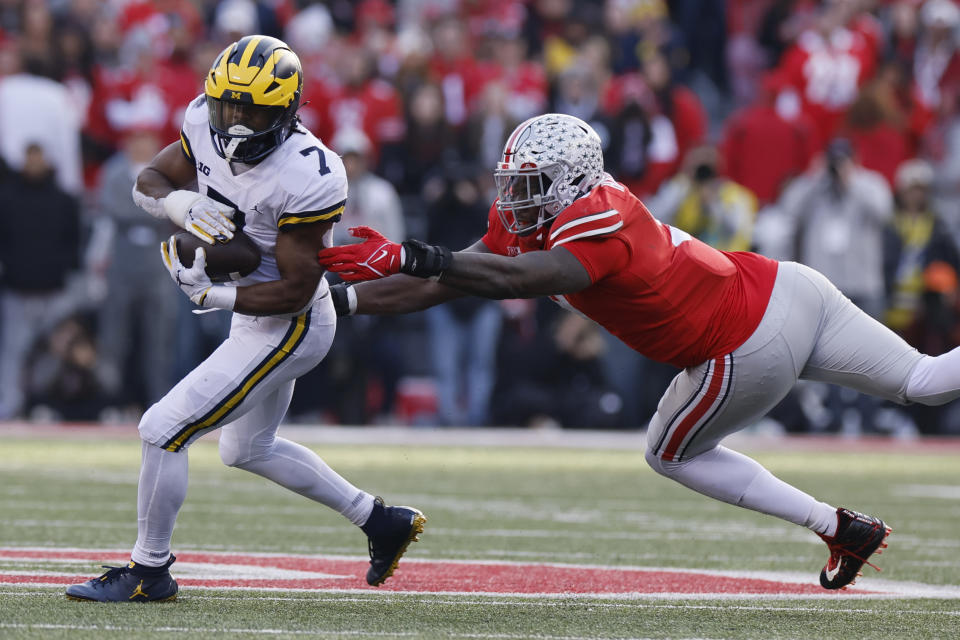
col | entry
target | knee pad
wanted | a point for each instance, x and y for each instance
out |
(229, 448)
(235, 453)
(150, 427)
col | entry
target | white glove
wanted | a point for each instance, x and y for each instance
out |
(204, 217)
(194, 281)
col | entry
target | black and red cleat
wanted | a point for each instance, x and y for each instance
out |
(858, 537)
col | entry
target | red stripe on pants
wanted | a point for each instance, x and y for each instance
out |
(713, 391)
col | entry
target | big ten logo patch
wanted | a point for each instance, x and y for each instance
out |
(202, 168)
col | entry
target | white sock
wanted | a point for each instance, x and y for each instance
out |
(734, 478)
(301, 470)
(935, 380)
(160, 494)
(823, 521)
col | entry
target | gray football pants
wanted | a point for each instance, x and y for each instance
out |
(809, 331)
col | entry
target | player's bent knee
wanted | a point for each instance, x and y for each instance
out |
(233, 454)
(230, 453)
(150, 428)
(657, 463)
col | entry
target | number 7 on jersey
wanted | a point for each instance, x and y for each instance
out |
(324, 169)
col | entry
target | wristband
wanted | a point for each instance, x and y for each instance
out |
(219, 297)
(351, 301)
(177, 205)
(153, 206)
(424, 260)
(344, 299)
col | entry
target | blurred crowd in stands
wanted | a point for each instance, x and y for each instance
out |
(821, 131)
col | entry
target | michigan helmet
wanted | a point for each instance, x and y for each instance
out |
(253, 93)
(548, 162)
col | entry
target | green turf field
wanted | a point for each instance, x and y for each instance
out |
(568, 506)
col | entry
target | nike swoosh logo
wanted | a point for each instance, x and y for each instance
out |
(832, 573)
(383, 254)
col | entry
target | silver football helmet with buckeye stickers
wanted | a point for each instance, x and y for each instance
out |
(548, 162)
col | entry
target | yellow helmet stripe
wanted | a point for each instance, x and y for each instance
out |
(247, 68)
(251, 47)
(213, 87)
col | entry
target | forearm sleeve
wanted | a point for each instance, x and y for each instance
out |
(153, 206)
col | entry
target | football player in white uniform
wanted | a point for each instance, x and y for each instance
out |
(258, 169)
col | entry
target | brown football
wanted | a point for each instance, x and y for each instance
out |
(225, 261)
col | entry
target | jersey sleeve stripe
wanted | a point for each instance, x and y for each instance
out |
(305, 217)
(186, 148)
(584, 220)
(591, 232)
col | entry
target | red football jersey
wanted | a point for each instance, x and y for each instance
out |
(664, 293)
(374, 108)
(828, 75)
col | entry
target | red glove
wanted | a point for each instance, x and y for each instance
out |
(375, 257)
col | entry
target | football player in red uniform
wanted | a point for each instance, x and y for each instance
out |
(744, 328)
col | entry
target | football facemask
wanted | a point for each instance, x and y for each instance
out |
(245, 132)
(548, 162)
(521, 204)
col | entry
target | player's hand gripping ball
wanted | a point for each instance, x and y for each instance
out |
(226, 261)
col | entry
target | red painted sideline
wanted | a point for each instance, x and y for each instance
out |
(433, 577)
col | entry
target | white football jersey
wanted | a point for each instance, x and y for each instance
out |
(300, 182)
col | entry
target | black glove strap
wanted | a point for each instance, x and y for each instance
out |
(425, 260)
(338, 293)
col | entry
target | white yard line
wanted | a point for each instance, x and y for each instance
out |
(509, 437)
(295, 632)
(635, 601)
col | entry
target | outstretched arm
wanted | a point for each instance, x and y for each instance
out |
(472, 272)
(405, 294)
(538, 273)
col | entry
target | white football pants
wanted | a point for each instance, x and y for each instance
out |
(244, 387)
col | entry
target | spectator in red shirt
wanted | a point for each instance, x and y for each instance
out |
(151, 87)
(937, 61)
(361, 100)
(886, 121)
(762, 149)
(455, 69)
(523, 79)
(826, 67)
(655, 123)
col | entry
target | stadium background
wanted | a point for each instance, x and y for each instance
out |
(821, 131)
